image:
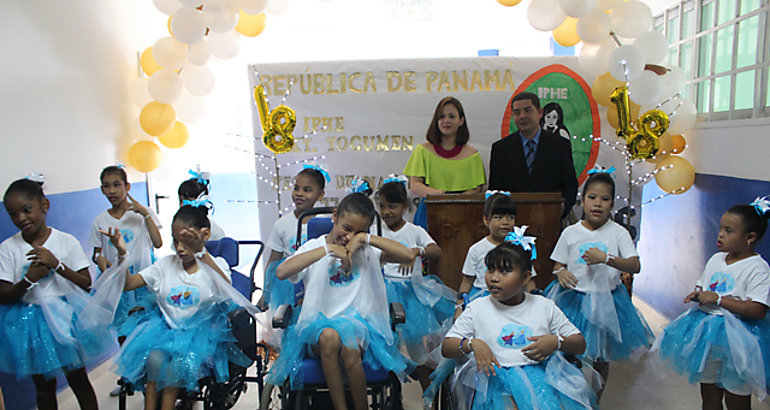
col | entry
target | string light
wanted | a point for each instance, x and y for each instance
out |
(301, 161)
(288, 91)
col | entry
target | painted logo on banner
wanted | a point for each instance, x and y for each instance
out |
(569, 110)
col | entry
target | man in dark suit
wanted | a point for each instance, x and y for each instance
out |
(532, 159)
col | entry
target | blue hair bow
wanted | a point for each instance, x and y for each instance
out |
(762, 205)
(490, 193)
(598, 170)
(201, 177)
(120, 166)
(517, 238)
(358, 185)
(396, 178)
(319, 169)
(36, 177)
(201, 201)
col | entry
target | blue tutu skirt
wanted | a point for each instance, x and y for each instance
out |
(476, 293)
(155, 352)
(425, 331)
(30, 348)
(354, 333)
(697, 346)
(277, 292)
(635, 333)
(140, 299)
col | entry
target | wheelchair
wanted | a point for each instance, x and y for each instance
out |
(220, 396)
(383, 387)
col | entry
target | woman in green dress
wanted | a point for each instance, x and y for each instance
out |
(446, 163)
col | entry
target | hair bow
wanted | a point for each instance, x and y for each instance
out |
(201, 201)
(599, 170)
(120, 166)
(762, 205)
(358, 185)
(319, 169)
(36, 177)
(396, 178)
(490, 193)
(517, 238)
(201, 177)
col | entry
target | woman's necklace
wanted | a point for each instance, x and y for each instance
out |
(447, 153)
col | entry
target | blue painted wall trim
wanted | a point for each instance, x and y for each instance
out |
(679, 234)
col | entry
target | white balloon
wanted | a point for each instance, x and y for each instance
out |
(191, 3)
(169, 52)
(137, 92)
(645, 89)
(594, 27)
(221, 21)
(136, 132)
(198, 80)
(189, 108)
(224, 45)
(577, 8)
(595, 57)
(631, 19)
(626, 63)
(544, 15)
(252, 6)
(166, 6)
(188, 25)
(278, 6)
(654, 46)
(683, 118)
(198, 53)
(607, 4)
(672, 82)
(165, 86)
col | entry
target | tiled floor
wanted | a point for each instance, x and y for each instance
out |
(640, 385)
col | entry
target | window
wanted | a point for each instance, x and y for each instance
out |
(722, 47)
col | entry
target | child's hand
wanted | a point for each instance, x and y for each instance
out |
(102, 263)
(566, 279)
(192, 238)
(137, 207)
(337, 251)
(37, 272)
(594, 256)
(542, 347)
(485, 359)
(42, 256)
(405, 268)
(692, 297)
(707, 296)
(116, 239)
(358, 241)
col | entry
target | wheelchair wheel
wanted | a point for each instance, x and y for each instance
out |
(274, 398)
(222, 396)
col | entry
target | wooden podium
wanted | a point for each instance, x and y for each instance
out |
(455, 223)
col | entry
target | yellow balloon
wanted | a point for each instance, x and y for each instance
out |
(148, 63)
(603, 87)
(509, 3)
(612, 117)
(566, 34)
(676, 174)
(250, 25)
(157, 119)
(177, 137)
(144, 156)
(168, 26)
(678, 144)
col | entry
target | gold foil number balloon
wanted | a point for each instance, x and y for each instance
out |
(277, 125)
(619, 97)
(642, 141)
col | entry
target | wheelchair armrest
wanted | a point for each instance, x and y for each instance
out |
(397, 315)
(282, 317)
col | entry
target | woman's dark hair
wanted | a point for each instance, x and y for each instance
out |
(191, 188)
(114, 169)
(26, 187)
(603, 177)
(552, 106)
(393, 192)
(315, 175)
(506, 257)
(195, 216)
(434, 134)
(752, 220)
(357, 203)
(499, 204)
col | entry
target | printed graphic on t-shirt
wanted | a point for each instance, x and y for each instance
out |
(293, 242)
(514, 336)
(585, 247)
(721, 282)
(184, 296)
(338, 277)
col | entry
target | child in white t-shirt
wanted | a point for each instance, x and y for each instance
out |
(196, 190)
(516, 339)
(724, 343)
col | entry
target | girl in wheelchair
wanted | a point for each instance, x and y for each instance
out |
(188, 337)
(515, 342)
(344, 319)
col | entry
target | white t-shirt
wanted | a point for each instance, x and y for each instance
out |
(339, 290)
(474, 262)
(747, 279)
(505, 329)
(14, 263)
(411, 236)
(283, 237)
(135, 233)
(217, 232)
(577, 239)
(180, 294)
